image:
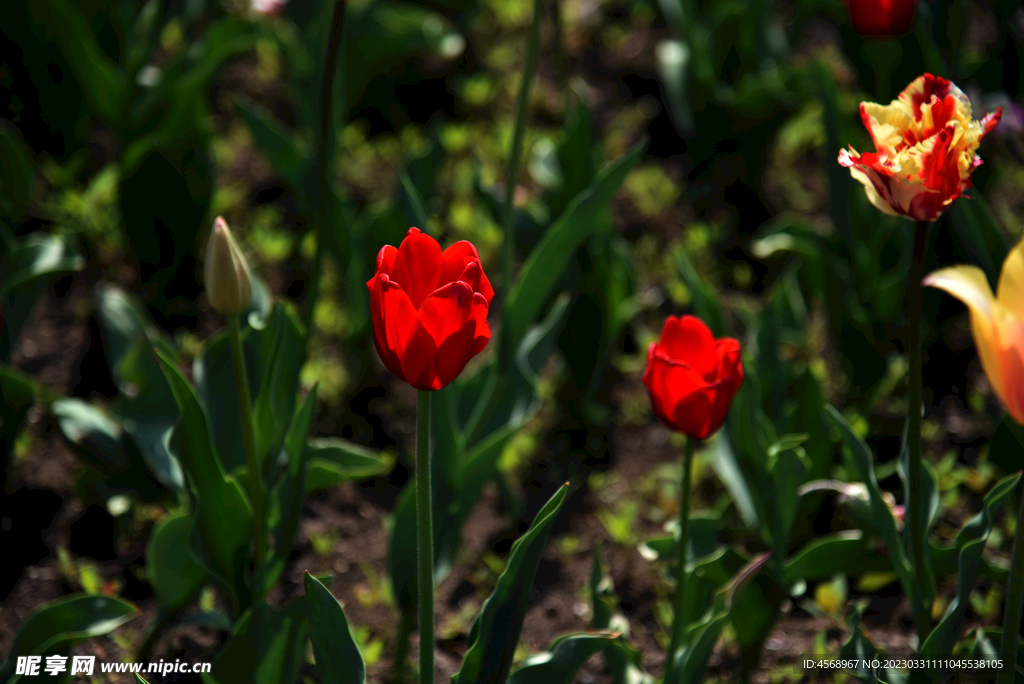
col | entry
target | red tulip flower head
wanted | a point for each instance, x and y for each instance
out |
(692, 377)
(881, 17)
(429, 309)
(925, 144)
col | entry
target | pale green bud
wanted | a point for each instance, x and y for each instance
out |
(227, 275)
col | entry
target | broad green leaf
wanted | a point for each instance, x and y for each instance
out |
(354, 460)
(826, 556)
(863, 461)
(563, 659)
(267, 646)
(549, 259)
(495, 633)
(970, 543)
(705, 301)
(63, 622)
(176, 578)
(26, 269)
(91, 429)
(17, 174)
(17, 396)
(337, 657)
(223, 511)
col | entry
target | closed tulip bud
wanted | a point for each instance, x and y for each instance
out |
(227, 275)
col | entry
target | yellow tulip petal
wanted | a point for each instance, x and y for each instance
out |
(1011, 282)
(970, 286)
(1009, 348)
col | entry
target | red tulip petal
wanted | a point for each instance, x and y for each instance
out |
(419, 360)
(689, 340)
(455, 318)
(386, 259)
(399, 321)
(417, 266)
(456, 262)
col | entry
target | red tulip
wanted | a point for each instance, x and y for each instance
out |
(429, 309)
(692, 377)
(881, 17)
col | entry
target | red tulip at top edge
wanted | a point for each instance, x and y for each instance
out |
(925, 143)
(692, 377)
(429, 309)
(881, 17)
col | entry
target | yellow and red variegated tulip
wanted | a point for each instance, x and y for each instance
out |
(996, 322)
(925, 144)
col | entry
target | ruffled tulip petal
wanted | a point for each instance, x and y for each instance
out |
(689, 338)
(925, 143)
(417, 266)
(970, 286)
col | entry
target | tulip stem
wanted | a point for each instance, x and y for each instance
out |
(1014, 603)
(248, 439)
(424, 537)
(517, 146)
(918, 524)
(678, 621)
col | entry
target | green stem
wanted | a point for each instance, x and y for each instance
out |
(1014, 604)
(917, 512)
(325, 147)
(248, 439)
(424, 537)
(678, 622)
(517, 145)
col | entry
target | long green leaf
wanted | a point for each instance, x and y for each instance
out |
(863, 461)
(970, 543)
(267, 646)
(337, 656)
(495, 633)
(65, 621)
(223, 511)
(690, 661)
(563, 659)
(550, 258)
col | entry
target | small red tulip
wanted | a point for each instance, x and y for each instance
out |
(692, 377)
(429, 309)
(881, 17)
